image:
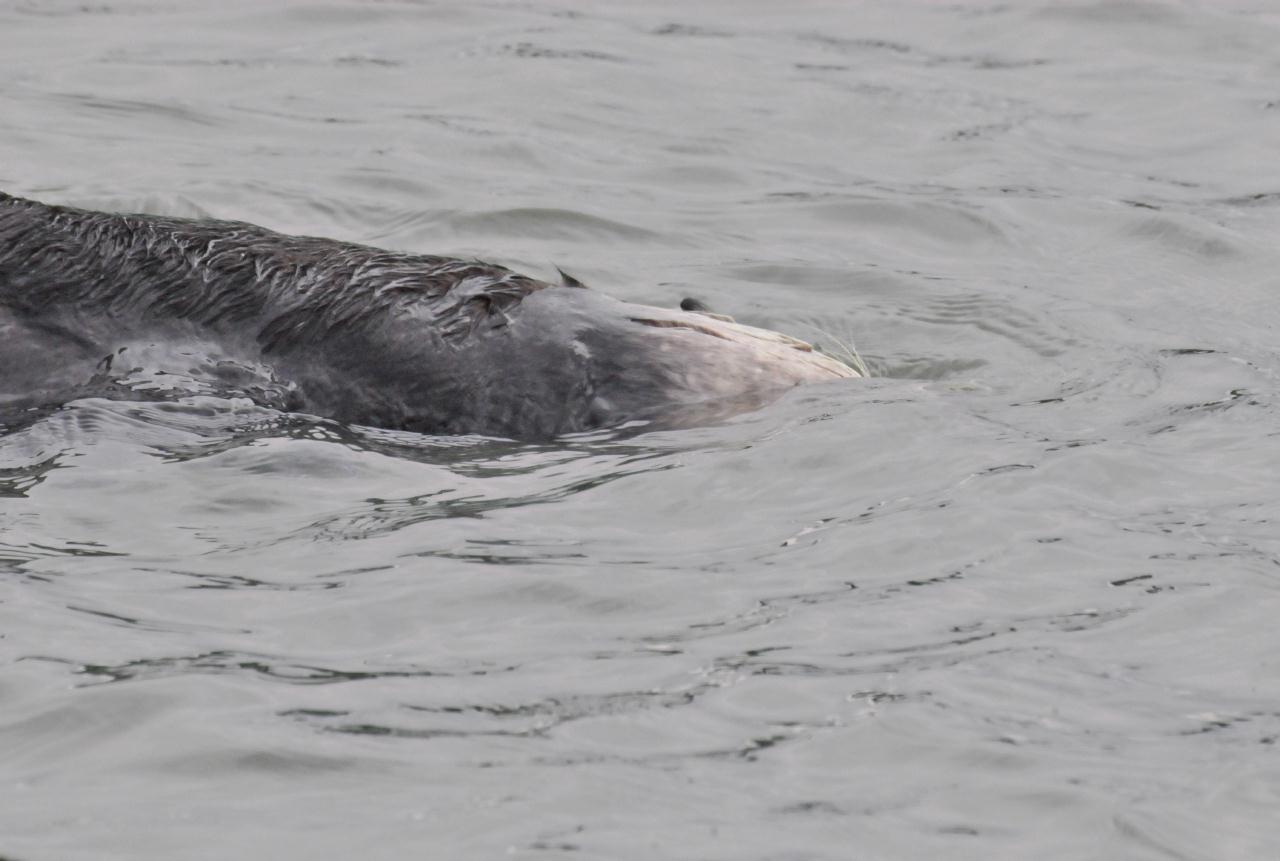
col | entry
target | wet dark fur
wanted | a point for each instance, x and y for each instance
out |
(359, 334)
(294, 289)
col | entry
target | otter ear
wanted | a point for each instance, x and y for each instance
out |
(569, 281)
(697, 306)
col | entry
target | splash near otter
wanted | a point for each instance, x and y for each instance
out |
(363, 335)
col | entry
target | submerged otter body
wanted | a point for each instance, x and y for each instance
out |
(362, 335)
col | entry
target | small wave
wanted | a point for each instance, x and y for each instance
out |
(138, 108)
(547, 223)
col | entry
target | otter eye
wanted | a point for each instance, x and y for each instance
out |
(689, 303)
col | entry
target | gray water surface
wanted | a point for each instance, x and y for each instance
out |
(1012, 598)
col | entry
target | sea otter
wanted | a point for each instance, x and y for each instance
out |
(362, 335)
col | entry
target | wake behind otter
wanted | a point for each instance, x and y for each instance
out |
(368, 336)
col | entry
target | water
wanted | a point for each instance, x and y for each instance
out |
(1012, 598)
